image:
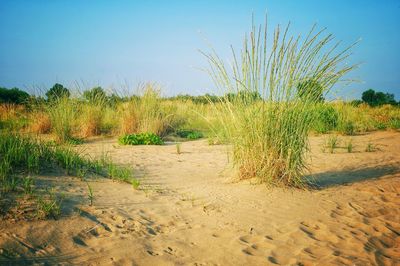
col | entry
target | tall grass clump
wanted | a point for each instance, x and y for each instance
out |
(91, 119)
(40, 123)
(146, 113)
(152, 117)
(12, 117)
(271, 88)
(62, 112)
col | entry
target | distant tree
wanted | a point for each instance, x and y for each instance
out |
(244, 96)
(377, 98)
(310, 90)
(114, 99)
(368, 96)
(389, 98)
(95, 95)
(56, 92)
(200, 99)
(13, 95)
(210, 98)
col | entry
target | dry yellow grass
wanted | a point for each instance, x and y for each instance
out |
(91, 121)
(10, 111)
(40, 123)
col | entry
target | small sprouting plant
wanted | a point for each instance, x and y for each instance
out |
(332, 143)
(370, 147)
(349, 146)
(49, 206)
(141, 139)
(135, 183)
(105, 167)
(27, 185)
(90, 194)
(81, 172)
(119, 173)
(178, 148)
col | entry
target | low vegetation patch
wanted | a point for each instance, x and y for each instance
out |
(23, 157)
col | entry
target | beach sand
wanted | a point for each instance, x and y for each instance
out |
(190, 210)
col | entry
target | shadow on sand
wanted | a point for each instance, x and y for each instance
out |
(348, 176)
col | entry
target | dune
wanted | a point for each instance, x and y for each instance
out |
(190, 210)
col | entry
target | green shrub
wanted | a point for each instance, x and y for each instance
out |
(326, 120)
(394, 123)
(189, 134)
(141, 139)
(380, 125)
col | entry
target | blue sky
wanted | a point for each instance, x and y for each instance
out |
(120, 43)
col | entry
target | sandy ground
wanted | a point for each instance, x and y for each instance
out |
(190, 212)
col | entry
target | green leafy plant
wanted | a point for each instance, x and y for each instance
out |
(141, 139)
(189, 134)
(394, 123)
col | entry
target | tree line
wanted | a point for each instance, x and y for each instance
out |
(98, 94)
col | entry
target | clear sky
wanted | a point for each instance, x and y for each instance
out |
(121, 43)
